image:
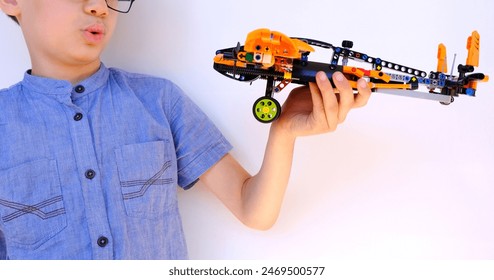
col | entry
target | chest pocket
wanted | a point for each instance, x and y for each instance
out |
(147, 173)
(31, 203)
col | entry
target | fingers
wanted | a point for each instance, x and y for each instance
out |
(337, 108)
(364, 93)
(326, 101)
(347, 98)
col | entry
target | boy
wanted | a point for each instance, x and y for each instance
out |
(90, 156)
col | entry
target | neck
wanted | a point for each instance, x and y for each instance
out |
(73, 73)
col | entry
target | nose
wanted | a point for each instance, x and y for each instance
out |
(97, 8)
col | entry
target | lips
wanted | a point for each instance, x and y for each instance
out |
(94, 33)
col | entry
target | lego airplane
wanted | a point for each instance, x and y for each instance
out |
(282, 60)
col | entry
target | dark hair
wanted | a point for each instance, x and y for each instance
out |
(14, 19)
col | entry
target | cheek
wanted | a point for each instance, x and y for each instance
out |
(111, 24)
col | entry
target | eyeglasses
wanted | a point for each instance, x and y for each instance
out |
(121, 6)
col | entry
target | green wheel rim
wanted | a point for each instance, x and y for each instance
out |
(266, 109)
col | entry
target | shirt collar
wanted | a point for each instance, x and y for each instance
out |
(62, 90)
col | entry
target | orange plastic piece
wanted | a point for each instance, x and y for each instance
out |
(272, 43)
(473, 47)
(219, 58)
(393, 86)
(473, 84)
(371, 85)
(442, 63)
(360, 72)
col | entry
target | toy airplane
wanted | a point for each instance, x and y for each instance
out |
(282, 60)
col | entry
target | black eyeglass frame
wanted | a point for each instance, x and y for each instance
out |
(120, 11)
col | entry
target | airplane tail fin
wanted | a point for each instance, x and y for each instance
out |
(473, 47)
(442, 63)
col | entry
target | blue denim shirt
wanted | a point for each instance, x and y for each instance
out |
(91, 171)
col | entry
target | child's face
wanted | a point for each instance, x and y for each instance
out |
(66, 32)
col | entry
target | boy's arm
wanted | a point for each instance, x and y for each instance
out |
(256, 200)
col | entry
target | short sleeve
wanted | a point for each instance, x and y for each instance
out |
(198, 142)
(3, 246)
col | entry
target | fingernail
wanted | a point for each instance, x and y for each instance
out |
(322, 76)
(362, 83)
(338, 76)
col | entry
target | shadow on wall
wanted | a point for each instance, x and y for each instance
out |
(134, 42)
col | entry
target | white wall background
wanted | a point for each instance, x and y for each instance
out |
(400, 179)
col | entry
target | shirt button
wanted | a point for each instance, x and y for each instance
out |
(102, 241)
(79, 89)
(90, 174)
(78, 117)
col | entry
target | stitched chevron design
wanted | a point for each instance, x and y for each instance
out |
(36, 209)
(128, 184)
(146, 184)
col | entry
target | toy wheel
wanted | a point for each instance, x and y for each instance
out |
(452, 100)
(266, 109)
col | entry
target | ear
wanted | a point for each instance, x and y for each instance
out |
(10, 7)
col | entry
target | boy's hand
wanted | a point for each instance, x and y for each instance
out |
(317, 108)
(256, 200)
